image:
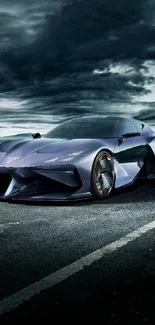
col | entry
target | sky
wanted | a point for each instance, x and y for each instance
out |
(66, 58)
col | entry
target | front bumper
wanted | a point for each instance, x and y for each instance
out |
(59, 182)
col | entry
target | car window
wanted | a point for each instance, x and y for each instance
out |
(139, 126)
(127, 126)
(85, 128)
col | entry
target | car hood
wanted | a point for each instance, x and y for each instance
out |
(32, 152)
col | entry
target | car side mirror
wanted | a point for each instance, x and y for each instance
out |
(36, 135)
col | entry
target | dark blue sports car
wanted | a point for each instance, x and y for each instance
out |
(83, 157)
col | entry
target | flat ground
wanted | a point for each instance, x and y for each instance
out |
(114, 284)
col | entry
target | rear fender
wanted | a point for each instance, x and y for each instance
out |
(152, 147)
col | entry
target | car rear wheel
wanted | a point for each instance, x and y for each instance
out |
(103, 175)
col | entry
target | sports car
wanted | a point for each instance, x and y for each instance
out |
(81, 158)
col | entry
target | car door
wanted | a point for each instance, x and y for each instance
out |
(130, 145)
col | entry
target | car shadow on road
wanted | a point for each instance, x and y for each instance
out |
(140, 191)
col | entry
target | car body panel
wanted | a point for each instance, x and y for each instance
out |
(61, 168)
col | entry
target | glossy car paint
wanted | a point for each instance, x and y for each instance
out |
(60, 169)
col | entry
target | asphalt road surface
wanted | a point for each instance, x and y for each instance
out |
(83, 261)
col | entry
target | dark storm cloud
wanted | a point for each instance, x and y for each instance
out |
(148, 114)
(88, 32)
(76, 56)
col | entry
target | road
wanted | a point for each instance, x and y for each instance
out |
(86, 260)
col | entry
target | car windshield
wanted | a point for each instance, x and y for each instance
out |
(85, 128)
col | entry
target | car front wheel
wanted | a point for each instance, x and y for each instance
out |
(103, 175)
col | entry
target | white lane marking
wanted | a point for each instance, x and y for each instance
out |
(18, 298)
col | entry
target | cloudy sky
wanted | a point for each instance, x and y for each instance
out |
(62, 58)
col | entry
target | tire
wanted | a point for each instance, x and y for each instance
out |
(103, 176)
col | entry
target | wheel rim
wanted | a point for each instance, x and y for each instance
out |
(104, 175)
